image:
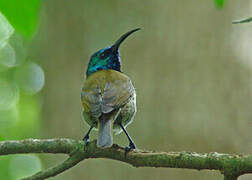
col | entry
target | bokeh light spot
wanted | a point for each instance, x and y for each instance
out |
(7, 56)
(17, 43)
(8, 94)
(5, 30)
(24, 165)
(30, 77)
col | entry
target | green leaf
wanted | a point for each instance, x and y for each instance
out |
(22, 15)
(219, 3)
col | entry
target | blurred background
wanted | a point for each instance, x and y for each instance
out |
(191, 68)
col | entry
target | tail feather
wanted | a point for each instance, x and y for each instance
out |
(105, 138)
(105, 127)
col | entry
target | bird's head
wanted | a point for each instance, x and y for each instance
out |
(107, 58)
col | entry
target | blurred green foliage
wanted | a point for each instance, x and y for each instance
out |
(20, 80)
(22, 15)
(219, 3)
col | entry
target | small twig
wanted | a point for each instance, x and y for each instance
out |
(246, 20)
(67, 164)
(231, 166)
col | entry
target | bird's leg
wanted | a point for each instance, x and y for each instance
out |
(86, 137)
(131, 143)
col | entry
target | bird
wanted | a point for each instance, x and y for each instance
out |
(108, 96)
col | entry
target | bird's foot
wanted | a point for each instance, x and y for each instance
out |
(86, 140)
(131, 146)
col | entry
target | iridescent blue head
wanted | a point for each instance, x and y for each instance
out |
(107, 58)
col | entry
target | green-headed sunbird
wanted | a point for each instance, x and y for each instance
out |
(108, 95)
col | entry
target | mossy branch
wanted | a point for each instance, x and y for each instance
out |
(231, 166)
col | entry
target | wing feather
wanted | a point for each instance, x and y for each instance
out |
(103, 94)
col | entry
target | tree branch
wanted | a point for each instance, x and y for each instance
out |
(246, 20)
(231, 166)
(67, 164)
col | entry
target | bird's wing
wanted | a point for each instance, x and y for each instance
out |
(91, 101)
(116, 94)
(103, 95)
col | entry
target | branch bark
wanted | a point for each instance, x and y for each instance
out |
(231, 166)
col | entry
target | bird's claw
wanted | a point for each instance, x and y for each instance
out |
(130, 147)
(86, 140)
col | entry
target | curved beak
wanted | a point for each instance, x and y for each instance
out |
(117, 44)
